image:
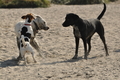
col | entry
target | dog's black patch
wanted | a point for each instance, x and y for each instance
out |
(24, 32)
(21, 45)
(21, 41)
(27, 35)
(26, 39)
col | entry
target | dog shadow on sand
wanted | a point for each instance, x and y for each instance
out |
(65, 61)
(73, 60)
(10, 62)
(118, 50)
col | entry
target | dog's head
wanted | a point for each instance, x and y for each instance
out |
(70, 19)
(40, 22)
(29, 17)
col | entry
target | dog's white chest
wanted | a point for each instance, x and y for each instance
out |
(76, 31)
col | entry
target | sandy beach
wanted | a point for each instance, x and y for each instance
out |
(58, 46)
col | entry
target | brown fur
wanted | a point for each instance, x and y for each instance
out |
(30, 16)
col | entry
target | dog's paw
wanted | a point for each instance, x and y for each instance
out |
(75, 57)
(107, 54)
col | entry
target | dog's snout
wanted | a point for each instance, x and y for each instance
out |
(62, 24)
(65, 25)
(46, 28)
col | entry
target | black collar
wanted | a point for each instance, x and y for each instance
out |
(37, 28)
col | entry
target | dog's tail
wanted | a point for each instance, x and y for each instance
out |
(23, 41)
(102, 13)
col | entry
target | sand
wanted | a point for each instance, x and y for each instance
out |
(58, 46)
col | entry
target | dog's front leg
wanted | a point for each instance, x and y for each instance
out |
(85, 49)
(77, 45)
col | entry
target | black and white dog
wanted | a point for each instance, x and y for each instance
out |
(37, 24)
(25, 34)
(85, 29)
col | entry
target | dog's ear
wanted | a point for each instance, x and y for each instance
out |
(24, 17)
(73, 16)
(76, 17)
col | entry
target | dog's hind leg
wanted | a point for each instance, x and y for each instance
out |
(105, 45)
(100, 31)
(102, 37)
(36, 46)
(77, 45)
